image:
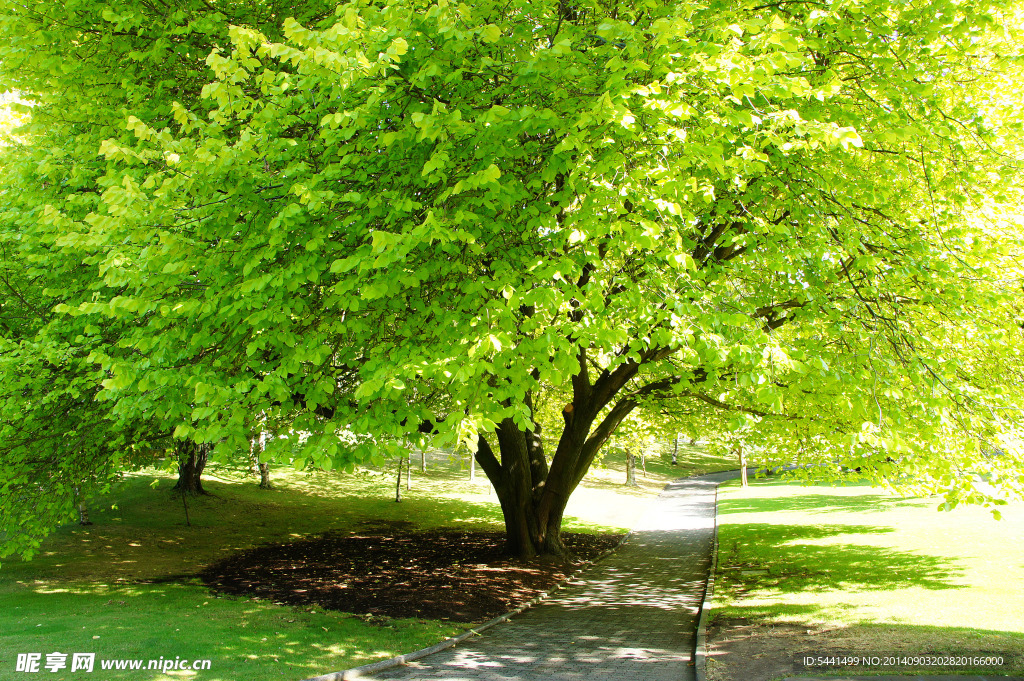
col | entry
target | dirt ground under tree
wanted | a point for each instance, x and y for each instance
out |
(457, 576)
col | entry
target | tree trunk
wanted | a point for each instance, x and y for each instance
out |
(527, 536)
(83, 511)
(675, 451)
(265, 476)
(408, 473)
(191, 462)
(630, 469)
(743, 465)
(532, 493)
(423, 460)
(256, 446)
(398, 482)
(532, 501)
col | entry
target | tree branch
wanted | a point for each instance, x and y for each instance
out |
(488, 462)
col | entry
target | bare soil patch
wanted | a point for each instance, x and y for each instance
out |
(457, 576)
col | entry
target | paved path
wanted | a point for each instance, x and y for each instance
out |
(631, 617)
(907, 677)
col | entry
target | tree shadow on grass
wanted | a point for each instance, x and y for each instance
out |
(645, 486)
(800, 558)
(816, 503)
(149, 540)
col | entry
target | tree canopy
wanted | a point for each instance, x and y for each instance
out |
(408, 220)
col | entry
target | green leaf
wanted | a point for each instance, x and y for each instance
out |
(490, 33)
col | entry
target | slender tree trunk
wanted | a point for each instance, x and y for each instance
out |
(408, 473)
(83, 512)
(743, 465)
(630, 469)
(256, 447)
(423, 460)
(191, 462)
(675, 451)
(398, 482)
(184, 504)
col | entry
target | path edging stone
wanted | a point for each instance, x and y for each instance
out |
(701, 648)
(366, 669)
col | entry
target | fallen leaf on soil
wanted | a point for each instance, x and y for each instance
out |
(458, 576)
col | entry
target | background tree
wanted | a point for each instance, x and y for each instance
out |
(257, 444)
(57, 445)
(80, 66)
(412, 219)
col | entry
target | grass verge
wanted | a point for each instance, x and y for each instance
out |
(871, 574)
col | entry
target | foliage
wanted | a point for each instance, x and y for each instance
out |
(78, 68)
(417, 217)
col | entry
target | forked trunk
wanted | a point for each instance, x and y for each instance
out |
(533, 495)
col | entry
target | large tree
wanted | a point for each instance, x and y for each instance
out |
(408, 220)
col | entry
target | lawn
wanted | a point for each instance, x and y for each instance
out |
(121, 587)
(873, 573)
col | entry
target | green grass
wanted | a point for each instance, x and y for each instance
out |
(242, 639)
(895, 573)
(120, 587)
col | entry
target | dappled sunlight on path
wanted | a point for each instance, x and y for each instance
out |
(631, 617)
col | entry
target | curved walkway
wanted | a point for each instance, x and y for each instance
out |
(631, 617)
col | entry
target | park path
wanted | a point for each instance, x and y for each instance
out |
(630, 617)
